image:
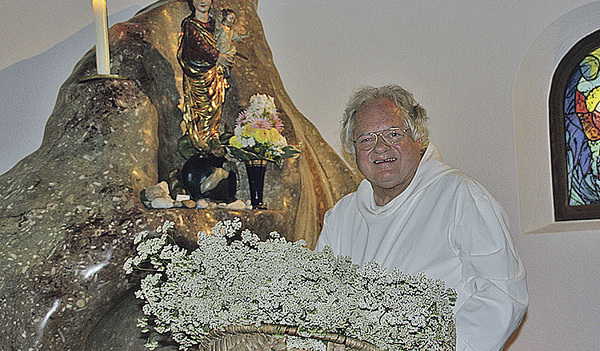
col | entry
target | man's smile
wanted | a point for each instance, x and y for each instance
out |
(391, 159)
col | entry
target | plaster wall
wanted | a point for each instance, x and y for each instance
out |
(480, 68)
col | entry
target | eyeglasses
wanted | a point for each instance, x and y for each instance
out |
(367, 141)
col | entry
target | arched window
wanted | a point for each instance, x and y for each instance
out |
(574, 108)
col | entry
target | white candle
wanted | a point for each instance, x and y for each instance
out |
(101, 27)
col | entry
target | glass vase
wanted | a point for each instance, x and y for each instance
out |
(256, 178)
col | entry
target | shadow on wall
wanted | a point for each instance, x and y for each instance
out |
(29, 89)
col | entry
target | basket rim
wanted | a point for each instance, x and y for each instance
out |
(279, 329)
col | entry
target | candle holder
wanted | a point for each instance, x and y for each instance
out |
(101, 76)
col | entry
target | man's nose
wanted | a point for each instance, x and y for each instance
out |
(380, 143)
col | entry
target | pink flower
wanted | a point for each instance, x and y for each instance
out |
(279, 125)
(241, 118)
(259, 123)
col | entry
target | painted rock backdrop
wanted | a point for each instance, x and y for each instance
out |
(69, 211)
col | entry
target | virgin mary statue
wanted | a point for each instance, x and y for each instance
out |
(204, 83)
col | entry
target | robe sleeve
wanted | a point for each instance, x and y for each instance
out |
(492, 275)
(324, 239)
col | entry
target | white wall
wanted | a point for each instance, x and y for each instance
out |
(465, 61)
(41, 42)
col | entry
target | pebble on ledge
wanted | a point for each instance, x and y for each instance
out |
(158, 197)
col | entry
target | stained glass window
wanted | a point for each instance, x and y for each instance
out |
(575, 132)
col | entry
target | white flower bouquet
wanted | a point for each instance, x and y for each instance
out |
(257, 133)
(233, 278)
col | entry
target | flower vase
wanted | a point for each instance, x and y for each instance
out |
(256, 179)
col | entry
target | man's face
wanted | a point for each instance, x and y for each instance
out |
(388, 167)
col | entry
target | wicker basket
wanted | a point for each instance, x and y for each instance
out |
(242, 338)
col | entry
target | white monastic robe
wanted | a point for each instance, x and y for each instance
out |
(448, 226)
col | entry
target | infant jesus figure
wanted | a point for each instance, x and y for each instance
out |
(226, 35)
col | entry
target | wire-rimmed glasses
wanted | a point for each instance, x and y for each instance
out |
(367, 141)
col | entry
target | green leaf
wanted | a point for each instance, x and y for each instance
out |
(289, 151)
(242, 154)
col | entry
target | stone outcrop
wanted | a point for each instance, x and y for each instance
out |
(69, 211)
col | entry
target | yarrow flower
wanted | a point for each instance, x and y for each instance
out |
(257, 133)
(234, 278)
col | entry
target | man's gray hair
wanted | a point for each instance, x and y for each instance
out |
(415, 115)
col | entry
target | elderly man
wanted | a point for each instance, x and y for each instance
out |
(418, 214)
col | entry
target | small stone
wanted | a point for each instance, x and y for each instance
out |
(80, 303)
(237, 205)
(155, 191)
(177, 204)
(201, 204)
(189, 203)
(162, 202)
(181, 197)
